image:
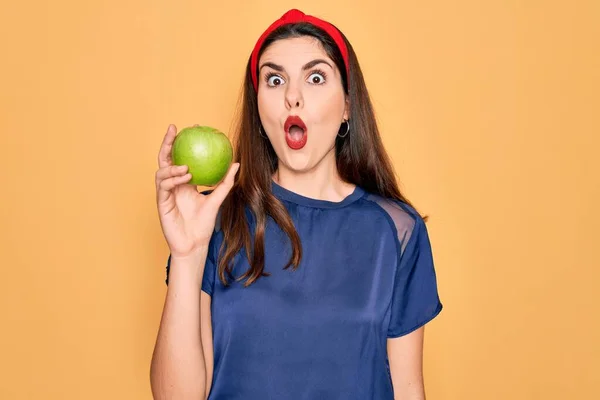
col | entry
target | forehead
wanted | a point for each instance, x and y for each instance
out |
(297, 49)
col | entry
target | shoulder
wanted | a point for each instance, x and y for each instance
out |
(402, 218)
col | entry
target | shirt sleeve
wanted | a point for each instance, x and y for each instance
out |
(415, 299)
(208, 279)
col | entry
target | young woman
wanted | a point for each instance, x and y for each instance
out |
(307, 275)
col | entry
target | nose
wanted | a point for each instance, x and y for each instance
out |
(293, 97)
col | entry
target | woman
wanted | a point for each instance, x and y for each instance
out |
(316, 274)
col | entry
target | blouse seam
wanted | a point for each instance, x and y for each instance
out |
(332, 206)
(398, 249)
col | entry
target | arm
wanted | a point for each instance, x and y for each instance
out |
(405, 354)
(207, 338)
(178, 368)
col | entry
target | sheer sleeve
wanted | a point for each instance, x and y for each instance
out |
(415, 299)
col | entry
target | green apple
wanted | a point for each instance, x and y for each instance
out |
(206, 151)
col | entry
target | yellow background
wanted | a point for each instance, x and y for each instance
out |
(488, 108)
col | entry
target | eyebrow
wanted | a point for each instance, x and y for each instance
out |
(305, 67)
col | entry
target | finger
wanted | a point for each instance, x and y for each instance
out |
(166, 186)
(170, 171)
(222, 189)
(164, 155)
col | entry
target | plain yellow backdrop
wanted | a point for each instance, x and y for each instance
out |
(489, 110)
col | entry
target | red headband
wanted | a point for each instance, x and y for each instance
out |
(291, 17)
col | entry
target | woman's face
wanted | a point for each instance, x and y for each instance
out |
(297, 78)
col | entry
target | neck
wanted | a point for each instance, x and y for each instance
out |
(322, 182)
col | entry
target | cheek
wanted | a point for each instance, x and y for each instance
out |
(326, 110)
(268, 109)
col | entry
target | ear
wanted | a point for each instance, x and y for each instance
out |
(347, 109)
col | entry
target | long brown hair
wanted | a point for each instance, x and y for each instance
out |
(361, 160)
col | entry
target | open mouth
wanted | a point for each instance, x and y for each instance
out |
(296, 133)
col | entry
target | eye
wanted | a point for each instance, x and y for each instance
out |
(317, 78)
(274, 80)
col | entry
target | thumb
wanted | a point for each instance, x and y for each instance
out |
(221, 191)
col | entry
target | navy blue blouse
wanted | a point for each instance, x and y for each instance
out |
(320, 332)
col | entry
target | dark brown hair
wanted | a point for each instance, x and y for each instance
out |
(361, 160)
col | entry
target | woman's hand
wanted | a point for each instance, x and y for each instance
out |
(187, 217)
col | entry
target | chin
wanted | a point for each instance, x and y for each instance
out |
(297, 161)
(304, 160)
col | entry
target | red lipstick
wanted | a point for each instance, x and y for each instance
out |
(296, 134)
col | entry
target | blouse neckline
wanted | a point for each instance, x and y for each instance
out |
(288, 195)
